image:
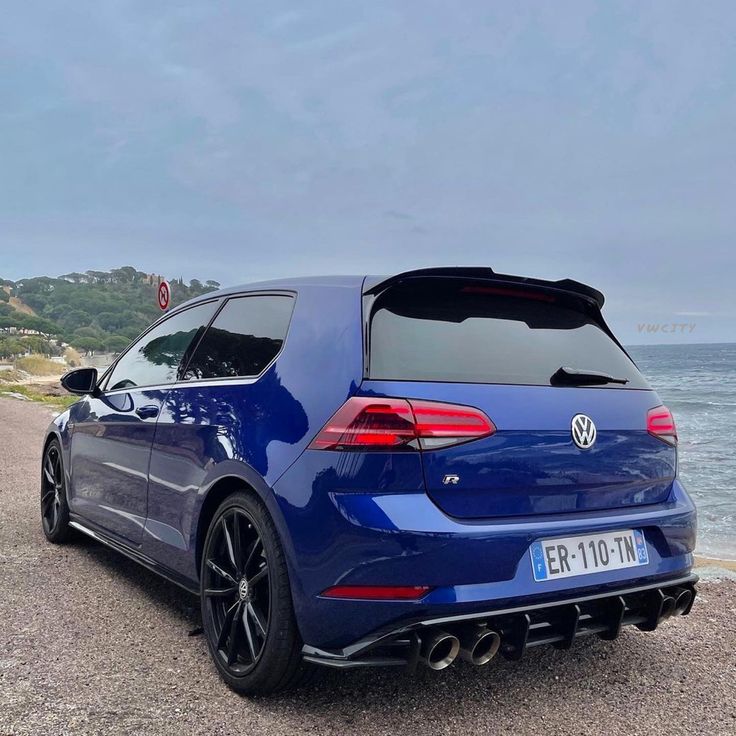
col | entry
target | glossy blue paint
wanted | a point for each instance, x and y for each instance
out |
(530, 466)
(383, 531)
(109, 458)
(375, 517)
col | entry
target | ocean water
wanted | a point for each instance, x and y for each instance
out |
(698, 384)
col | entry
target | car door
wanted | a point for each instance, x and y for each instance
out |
(112, 433)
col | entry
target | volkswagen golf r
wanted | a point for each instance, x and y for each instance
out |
(363, 471)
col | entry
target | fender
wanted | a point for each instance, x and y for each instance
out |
(60, 429)
(244, 473)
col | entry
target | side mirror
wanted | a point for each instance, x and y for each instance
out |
(80, 381)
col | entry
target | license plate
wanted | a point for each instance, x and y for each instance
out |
(569, 556)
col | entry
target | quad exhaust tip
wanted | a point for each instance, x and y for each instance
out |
(683, 600)
(479, 645)
(439, 650)
(668, 606)
(677, 603)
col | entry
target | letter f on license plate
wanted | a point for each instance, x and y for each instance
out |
(569, 556)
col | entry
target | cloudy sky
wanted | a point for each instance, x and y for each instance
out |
(246, 140)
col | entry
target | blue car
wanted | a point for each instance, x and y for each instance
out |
(382, 471)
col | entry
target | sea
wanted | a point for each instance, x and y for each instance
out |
(698, 384)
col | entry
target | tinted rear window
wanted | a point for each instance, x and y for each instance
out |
(244, 338)
(461, 331)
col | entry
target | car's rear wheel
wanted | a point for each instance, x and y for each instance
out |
(54, 507)
(247, 611)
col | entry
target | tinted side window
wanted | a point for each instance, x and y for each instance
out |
(244, 338)
(155, 358)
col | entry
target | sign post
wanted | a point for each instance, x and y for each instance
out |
(164, 295)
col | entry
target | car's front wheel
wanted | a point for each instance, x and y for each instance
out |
(54, 508)
(247, 611)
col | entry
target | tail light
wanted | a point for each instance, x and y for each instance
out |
(661, 424)
(368, 423)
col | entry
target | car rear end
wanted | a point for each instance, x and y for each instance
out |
(502, 477)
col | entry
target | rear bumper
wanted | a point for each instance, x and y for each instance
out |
(402, 538)
(558, 624)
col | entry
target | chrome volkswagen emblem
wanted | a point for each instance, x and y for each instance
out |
(583, 431)
(243, 589)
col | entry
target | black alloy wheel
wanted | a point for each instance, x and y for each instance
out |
(247, 611)
(237, 590)
(54, 508)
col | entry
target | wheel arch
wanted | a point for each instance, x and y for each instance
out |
(50, 437)
(231, 478)
(52, 434)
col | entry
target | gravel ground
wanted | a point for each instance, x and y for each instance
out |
(91, 643)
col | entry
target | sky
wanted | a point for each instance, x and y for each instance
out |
(240, 141)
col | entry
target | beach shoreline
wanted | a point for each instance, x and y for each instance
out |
(711, 562)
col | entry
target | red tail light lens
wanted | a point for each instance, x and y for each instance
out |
(661, 424)
(378, 592)
(365, 423)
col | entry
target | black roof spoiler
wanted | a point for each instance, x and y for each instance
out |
(374, 285)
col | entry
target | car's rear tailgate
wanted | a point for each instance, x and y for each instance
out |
(531, 465)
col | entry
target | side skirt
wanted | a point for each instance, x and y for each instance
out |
(136, 556)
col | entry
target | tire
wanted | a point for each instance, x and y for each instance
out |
(247, 611)
(54, 506)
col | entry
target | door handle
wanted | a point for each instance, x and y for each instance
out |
(147, 412)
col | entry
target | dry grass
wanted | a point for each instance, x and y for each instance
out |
(37, 365)
(11, 376)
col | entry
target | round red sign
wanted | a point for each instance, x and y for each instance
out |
(164, 294)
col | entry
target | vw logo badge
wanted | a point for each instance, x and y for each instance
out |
(583, 431)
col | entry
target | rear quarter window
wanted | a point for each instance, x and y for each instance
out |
(243, 339)
(459, 331)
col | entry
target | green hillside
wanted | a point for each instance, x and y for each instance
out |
(92, 311)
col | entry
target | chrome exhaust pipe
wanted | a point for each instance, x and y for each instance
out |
(439, 650)
(479, 645)
(668, 607)
(683, 600)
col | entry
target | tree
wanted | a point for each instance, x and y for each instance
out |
(113, 321)
(37, 344)
(126, 274)
(99, 277)
(93, 310)
(132, 331)
(74, 277)
(88, 332)
(10, 347)
(116, 343)
(89, 344)
(75, 319)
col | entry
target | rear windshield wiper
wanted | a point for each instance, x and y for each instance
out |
(577, 377)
